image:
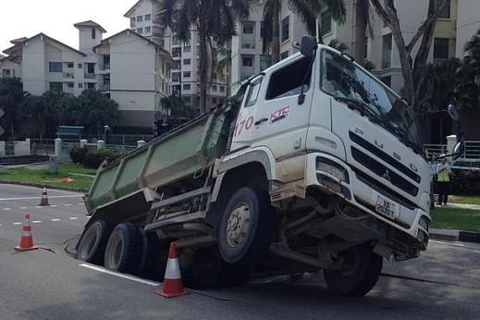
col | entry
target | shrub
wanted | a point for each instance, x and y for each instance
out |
(77, 154)
(93, 159)
(464, 182)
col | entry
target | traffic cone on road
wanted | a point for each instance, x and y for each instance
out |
(172, 283)
(44, 200)
(26, 242)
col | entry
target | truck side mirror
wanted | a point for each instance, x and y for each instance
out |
(308, 46)
(458, 149)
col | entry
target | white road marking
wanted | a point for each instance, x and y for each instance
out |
(73, 218)
(39, 197)
(81, 204)
(68, 205)
(0, 224)
(6, 209)
(17, 223)
(120, 275)
(38, 207)
(55, 220)
(451, 243)
(23, 208)
(54, 205)
(36, 221)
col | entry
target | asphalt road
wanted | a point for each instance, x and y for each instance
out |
(49, 284)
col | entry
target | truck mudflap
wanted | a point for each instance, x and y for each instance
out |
(334, 176)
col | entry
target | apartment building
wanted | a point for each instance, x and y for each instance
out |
(468, 23)
(130, 68)
(184, 76)
(135, 72)
(8, 67)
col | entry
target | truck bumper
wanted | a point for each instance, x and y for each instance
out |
(335, 176)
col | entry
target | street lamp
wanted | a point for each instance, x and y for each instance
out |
(105, 129)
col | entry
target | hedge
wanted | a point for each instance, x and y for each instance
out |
(93, 158)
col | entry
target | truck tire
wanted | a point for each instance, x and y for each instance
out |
(124, 249)
(245, 229)
(154, 258)
(91, 247)
(359, 274)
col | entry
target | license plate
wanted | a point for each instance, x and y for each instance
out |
(386, 207)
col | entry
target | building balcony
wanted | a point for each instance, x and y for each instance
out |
(68, 75)
(104, 87)
(90, 76)
(248, 44)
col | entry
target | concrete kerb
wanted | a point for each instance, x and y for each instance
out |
(41, 185)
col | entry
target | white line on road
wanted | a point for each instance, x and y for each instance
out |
(17, 223)
(68, 205)
(55, 220)
(6, 209)
(38, 207)
(456, 244)
(37, 221)
(120, 275)
(0, 224)
(23, 208)
(54, 205)
(81, 204)
(73, 218)
(29, 198)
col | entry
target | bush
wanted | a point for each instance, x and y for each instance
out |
(77, 154)
(93, 159)
(464, 182)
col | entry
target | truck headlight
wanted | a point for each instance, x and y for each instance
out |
(332, 168)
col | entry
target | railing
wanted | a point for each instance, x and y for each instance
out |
(90, 75)
(248, 44)
(471, 153)
(106, 66)
(68, 75)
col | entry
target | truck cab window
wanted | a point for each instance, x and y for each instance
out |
(253, 93)
(288, 80)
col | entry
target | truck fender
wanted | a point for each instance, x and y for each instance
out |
(264, 157)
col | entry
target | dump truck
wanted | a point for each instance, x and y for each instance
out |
(314, 165)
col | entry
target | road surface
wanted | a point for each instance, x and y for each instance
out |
(49, 284)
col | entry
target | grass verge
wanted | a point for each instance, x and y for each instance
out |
(81, 176)
(466, 199)
(453, 218)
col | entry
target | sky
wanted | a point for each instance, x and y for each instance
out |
(55, 18)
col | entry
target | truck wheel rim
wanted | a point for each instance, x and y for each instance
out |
(88, 247)
(115, 254)
(238, 224)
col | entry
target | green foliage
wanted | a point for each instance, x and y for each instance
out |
(94, 158)
(11, 96)
(465, 182)
(78, 153)
(177, 108)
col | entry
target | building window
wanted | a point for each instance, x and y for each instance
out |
(148, 29)
(176, 52)
(284, 55)
(80, 66)
(445, 12)
(187, 48)
(187, 62)
(326, 22)
(70, 84)
(94, 33)
(139, 18)
(286, 29)
(55, 66)
(187, 86)
(56, 86)
(178, 63)
(6, 73)
(214, 100)
(387, 51)
(387, 80)
(222, 89)
(247, 61)
(214, 88)
(70, 65)
(440, 49)
(175, 76)
(187, 74)
(140, 30)
(80, 86)
(148, 17)
(132, 22)
(248, 28)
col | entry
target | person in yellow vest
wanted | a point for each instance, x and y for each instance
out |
(444, 173)
(433, 172)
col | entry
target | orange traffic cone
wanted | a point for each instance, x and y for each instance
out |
(172, 284)
(26, 242)
(44, 200)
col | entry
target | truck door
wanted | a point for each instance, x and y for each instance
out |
(281, 118)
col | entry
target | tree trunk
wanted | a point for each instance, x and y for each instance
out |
(361, 22)
(276, 37)
(203, 69)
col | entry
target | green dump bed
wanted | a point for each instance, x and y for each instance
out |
(119, 187)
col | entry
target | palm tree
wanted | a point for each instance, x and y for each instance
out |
(224, 64)
(212, 19)
(469, 74)
(308, 10)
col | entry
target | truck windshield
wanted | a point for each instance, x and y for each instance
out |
(351, 85)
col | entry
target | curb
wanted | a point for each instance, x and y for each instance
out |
(40, 185)
(455, 235)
